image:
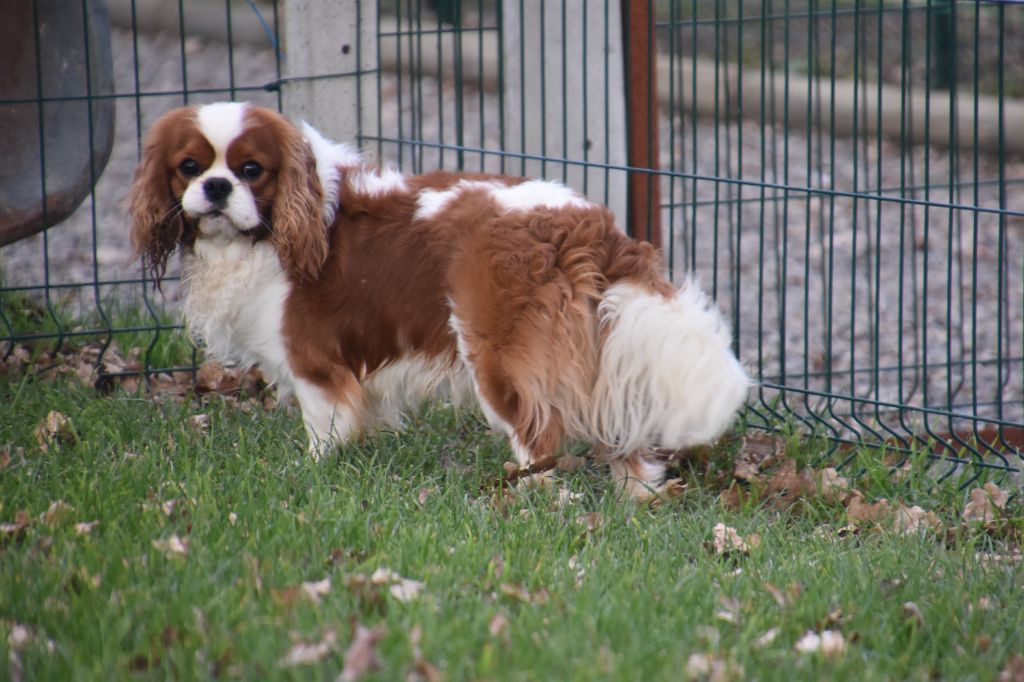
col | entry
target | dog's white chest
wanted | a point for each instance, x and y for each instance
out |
(235, 293)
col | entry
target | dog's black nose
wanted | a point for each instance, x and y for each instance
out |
(216, 189)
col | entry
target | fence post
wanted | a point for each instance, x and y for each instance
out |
(642, 95)
(565, 94)
(330, 67)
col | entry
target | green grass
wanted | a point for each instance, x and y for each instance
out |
(649, 595)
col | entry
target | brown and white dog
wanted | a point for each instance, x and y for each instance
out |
(361, 290)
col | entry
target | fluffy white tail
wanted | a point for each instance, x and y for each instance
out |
(667, 376)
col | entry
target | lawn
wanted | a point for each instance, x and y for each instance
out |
(157, 536)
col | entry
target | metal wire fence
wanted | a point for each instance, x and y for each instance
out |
(844, 176)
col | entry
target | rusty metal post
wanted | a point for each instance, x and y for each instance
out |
(642, 119)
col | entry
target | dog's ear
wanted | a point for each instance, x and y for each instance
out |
(158, 224)
(300, 230)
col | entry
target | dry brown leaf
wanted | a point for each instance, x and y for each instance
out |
(361, 656)
(22, 636)
(55, 430)
(858, 511)
(786, 485)
(402, 589)
(831, 486)
(56, 513)
(829, 643)
(767, 638)
(712, 667)
(314, 590)
(566, 497)
(422, 669)
(913, 520)
(520, 592)
(15, 529)
(498, 627)
(757, 452)
(912, 611)
(778, 595)
(85, 527)
(5, 459)
(986, 504)
(1013, 671)
(423, 494)
(734, 496)
(200, 423)
(590, 521)
(834, 617)
(307, 653)
(726, 539)
(172, 546)
(730, 611)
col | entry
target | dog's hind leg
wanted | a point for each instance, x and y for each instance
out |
(640, 474)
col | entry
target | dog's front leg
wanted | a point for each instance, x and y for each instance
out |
(332, 413)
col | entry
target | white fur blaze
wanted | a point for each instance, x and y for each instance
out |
(667, 376)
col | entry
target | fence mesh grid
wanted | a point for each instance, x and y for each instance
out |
(844, 176)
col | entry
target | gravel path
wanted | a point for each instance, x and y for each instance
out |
(862, 284)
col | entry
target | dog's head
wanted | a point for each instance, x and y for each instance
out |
(228, 171)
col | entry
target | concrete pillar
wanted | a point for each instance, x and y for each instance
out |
(329, 67)
(560, 60)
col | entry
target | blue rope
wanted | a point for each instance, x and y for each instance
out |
(266, 27)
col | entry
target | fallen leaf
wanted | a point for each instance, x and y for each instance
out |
(421, 497)
(778, 595)
(199, 423)
(422, 669)
(54, 431)
(5, 459)
(734, 497)
(172, 546)
(757, 452)
(590, 521)
(314, 590)
(1013, 671)
(307, 653)
(912, 611)
(498, 627)
(786, 485)
(22, 636)
(520, 592)
(767, 638)
(829, 643)
(402, 589)
(56, 513)
(10, 531)
(832, 486)
(913, 520)
(361, 656)
(232, 518)
(710, 666)
(730, 611)
(567, 497)
(858, 511)
(726, 539)
(85, 528)
(986, 504)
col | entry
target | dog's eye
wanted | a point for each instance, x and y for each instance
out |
(189, 167)
(251, 170)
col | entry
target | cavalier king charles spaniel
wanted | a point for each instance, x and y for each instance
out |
(361, 290)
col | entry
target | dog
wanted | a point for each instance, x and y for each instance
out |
(361, 290)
